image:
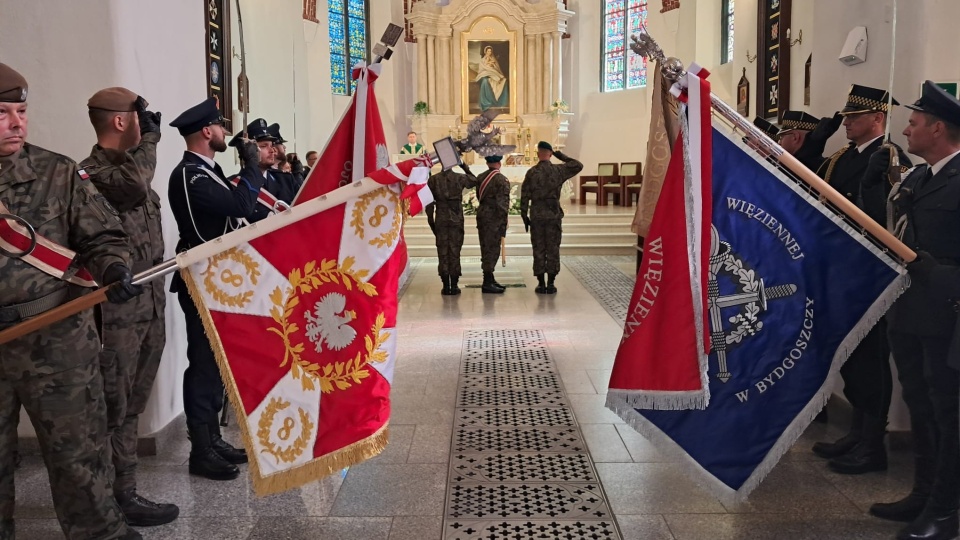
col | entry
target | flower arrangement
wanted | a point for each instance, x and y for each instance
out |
(471, 203)
(421, 108)
(558, 107)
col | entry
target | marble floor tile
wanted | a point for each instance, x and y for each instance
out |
(642, 450)
(373, 489)
(590, 409)
(653, 488)
(605, 444)
(431, 444)
(779, 527)
(652, 527)
(416, 528)
(333, 528)
(206, 528)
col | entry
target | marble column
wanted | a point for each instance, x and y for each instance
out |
(530, 67)
(547, 68)
(556, 90)
(538, 68)
(421, 68)
(432, 73)
(445, 70)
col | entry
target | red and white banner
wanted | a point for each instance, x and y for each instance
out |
(303, 319)
(662, 359)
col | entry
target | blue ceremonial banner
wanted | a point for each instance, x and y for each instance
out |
(792, 290)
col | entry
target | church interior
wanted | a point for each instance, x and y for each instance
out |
(558, 71)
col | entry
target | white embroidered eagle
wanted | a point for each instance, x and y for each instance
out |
(326, 324)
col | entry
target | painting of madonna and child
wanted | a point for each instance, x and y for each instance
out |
(488, 77)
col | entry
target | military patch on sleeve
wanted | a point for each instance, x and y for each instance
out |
(83, 174)
(106, 204)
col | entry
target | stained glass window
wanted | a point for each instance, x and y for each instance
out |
(348, 41)
(726, 31)
(621, 67)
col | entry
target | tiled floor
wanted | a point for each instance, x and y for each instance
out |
(400, 494)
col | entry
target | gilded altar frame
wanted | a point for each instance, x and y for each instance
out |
(487, 32)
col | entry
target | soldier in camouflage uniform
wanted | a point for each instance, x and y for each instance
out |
(53, 372)
(494, 195)
(447, 188)
(121, 166)
(541, 212)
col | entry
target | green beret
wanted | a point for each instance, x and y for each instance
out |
(544, 145)
(494, 159)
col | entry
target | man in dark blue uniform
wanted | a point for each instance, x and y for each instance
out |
(297, 172)
(206, 206)
(923, 320)
(280, 185)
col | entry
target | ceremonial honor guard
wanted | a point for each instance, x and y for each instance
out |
(277, 185)
(54, 372)
(445, 217)
(493, 192)
(205, 206)
(923, 320)
(121, 166)
(541, 212)
(856, 172)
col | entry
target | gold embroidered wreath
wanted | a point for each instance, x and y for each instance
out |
(339, 375)
(265, 428)
(210, 274)
(387, 238)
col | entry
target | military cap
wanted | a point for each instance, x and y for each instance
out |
(936, 101)
(544, 145)
(256, 130)
(863, 99)
(198, 117)
(275, 132)
(115, 99)
(798, 120)
(493, 159)
(769, 128)
(13, 87)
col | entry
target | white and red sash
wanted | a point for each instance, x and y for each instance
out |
(48, 256)
(264, 197)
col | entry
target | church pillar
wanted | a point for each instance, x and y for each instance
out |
(431, 73)
(557, 94)
(422, 68)
(530, 93)
(545, 68)
(443, 84)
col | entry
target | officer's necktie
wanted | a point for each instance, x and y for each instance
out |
(926, 178)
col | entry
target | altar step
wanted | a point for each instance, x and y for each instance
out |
(588, 234)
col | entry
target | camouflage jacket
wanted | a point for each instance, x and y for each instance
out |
(495, 202)
(447, 188)
(540, 191)
(124, 178)
(47, 190)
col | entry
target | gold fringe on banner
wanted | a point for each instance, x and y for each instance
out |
(295, 477)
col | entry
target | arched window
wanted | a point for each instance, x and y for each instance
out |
(349, 42)
(621, 67)
(726, 31)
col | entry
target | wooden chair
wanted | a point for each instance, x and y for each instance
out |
(631, 176)
(610, 183)
(589, 184)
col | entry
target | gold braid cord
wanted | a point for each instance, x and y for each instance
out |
(336, 375)
(833, 162)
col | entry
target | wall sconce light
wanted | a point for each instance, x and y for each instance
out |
(797, 41)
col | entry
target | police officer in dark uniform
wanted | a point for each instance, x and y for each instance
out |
(445, 217)
(540, 195)
(923, 320)
(206, 206)
(297, 172)
(804, 136)
(860, 174)
(281, 185)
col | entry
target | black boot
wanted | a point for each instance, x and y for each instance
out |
(131, 534)
(204, 460)
(869, 455)
(446, 285)
(226, 450)
(844, 444)
(541, 287)
(142, 512)
(910, 507)
(931, 525)
(550, 289)
(489, 286)
(454, 288)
